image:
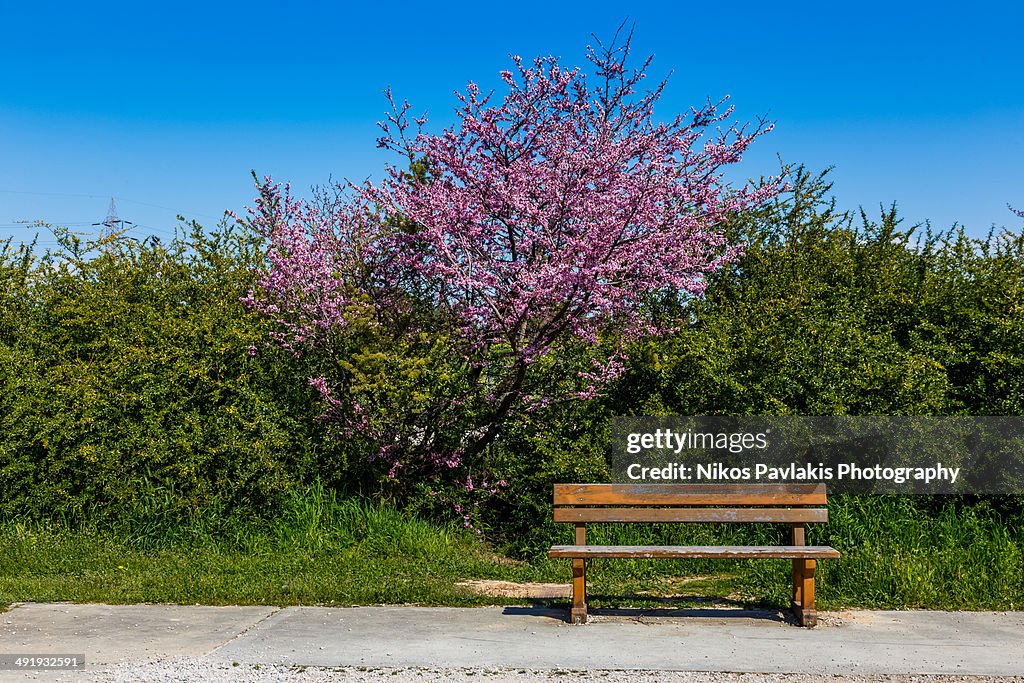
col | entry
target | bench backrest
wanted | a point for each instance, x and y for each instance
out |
(788, 503)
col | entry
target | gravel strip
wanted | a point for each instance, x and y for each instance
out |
(185, 669)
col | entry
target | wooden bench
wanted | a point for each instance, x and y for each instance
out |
(792, 504)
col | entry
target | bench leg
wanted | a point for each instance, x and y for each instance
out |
(805, 611)
(579, 591)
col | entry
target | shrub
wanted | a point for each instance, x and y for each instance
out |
(127, 387)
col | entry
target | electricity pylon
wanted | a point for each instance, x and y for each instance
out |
(113, 223)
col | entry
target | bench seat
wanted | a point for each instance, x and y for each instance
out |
(728, 552)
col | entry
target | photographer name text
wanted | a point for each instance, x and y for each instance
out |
(715, 471)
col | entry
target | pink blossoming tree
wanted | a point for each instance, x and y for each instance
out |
(507, 261)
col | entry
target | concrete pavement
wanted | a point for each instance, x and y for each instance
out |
(854, 642)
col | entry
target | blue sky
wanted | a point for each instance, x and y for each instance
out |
(167, 107)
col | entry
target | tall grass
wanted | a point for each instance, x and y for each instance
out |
(321, 550)
(896, 552)
(324, 549)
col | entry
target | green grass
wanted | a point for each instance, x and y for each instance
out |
(897, 552)
(898, 555)
(322, 550)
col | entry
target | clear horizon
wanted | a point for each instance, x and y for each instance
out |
(168, 113)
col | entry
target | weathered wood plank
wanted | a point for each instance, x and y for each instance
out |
(579, 591)
(701, 551)
(652, 514)
(807, 614)
(578, 614)
(689, 494)
(800, 539)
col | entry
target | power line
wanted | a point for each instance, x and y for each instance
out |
(33, 225)
(53, 194)
(96, 196)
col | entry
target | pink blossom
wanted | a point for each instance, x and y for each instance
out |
(535, 229)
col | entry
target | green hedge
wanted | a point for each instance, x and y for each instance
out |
(128, 388)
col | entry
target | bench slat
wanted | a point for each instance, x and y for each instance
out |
(701, 551)
(689, 494)
(612, 514)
